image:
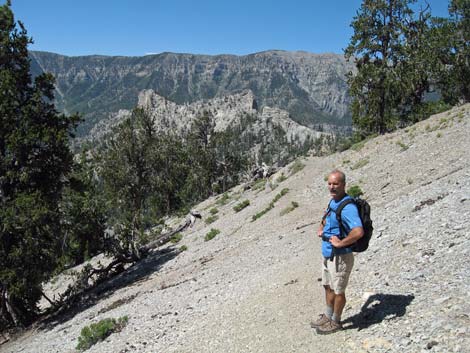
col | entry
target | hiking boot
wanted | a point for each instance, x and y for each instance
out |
(322, 319)
(329, 327)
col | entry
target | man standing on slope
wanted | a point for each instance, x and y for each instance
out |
(338, 259)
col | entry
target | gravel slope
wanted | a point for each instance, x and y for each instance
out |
(255, 286)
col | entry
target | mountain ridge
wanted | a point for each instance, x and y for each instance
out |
(311, 87)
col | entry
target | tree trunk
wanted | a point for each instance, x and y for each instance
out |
(164, 238)
(8, 311)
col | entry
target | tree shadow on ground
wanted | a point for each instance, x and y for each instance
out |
(137, 272)
(377, 308)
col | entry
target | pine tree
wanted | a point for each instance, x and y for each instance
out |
(202, 156)
(83, 213)
(34, 163)
(460, 49)
(129, 172)
(388, 49)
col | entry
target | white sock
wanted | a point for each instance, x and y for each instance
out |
(329, 312)
(336, 318)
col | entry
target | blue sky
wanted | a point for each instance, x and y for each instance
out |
(140, 27)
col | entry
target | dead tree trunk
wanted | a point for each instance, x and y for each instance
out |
(8, 311)
(101, 274)
(47, 298)
(164, 238)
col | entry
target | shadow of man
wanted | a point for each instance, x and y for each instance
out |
(377, 308)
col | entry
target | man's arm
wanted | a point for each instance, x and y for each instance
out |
(354, 235)
(320, 229)
(322, 224)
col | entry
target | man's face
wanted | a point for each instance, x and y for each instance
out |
(336, 186)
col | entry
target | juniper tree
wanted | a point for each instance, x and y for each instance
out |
(34, 163)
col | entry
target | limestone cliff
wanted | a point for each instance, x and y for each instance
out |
(311, 87)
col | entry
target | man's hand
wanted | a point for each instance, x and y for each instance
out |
(352, 237)
(336, 242)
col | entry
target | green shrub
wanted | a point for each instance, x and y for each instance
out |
(281, 194)
(183, 248)
(273, 186)
(211, 234)
(211, 219)
(290, 208)
(223, 200)
(213, 211)
(263, 212)
(281, 178)
(96, 332)
(176, 238)
(403, 146)
(359, 145)
(296, 167)
(355, 142)
(355, 191)
(259, 185)
(271, 205)
(240, 206)
(430, 128)
(361, 163)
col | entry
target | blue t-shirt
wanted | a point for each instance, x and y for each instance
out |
(350, 218)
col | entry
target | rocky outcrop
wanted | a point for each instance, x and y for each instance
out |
(311, 87)
(231, 111)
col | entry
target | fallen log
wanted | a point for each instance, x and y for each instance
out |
(164, 238)
(90, 277)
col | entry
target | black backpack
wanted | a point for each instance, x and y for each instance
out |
(363, 208)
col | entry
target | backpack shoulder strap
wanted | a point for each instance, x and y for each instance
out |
(343, 205)
(328, 209)
(338, 214)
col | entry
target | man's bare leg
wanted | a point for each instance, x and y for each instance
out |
(339, 303)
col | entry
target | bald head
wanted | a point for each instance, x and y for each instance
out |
(340, 175)
(337, 184)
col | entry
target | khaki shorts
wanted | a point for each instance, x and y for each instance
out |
(336, 273)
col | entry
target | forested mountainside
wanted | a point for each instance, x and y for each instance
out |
(311, 87)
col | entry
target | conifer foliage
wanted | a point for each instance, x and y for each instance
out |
(34, 163)
(382, 30)
(459, 50)
(401, 55)
(149, 174)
